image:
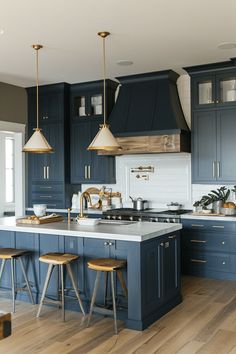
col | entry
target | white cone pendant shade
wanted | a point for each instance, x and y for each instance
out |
(37, 143)
(104, 140)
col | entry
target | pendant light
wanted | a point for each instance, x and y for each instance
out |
(104, 139)
(37, 143)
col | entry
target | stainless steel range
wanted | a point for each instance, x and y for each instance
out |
(150, 215)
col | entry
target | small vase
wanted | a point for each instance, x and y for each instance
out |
(216, 206)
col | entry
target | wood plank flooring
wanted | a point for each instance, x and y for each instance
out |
(204, 323)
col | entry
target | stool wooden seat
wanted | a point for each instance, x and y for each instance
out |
(60, 260)
(8, 253)
(14, 254)
(108, 266)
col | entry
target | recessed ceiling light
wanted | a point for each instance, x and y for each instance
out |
(125, 62)
(226, 45)
(1, 31)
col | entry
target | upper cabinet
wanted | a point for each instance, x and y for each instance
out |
(217, 90)
(213, 100)
(86, 116)
(49, 173)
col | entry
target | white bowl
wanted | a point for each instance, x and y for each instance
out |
(87, 221)
(40, 209)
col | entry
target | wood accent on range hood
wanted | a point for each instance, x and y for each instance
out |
(150, 144)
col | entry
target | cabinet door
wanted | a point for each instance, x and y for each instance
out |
(170, 266)
(80, 156)
(226, 145)
(48, 243)
(226, 89)
(203, 91)
(7, 240)
(204, 147)
(51, 107)
(55, 160)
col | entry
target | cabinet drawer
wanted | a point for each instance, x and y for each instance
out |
(200, 261)
(52, 200)
(47, 188)
(213, 225)
(207, 242)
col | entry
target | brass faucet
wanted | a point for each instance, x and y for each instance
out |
(84, 195)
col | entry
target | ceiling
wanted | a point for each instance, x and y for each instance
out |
(154, 34)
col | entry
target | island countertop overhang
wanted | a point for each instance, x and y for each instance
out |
(136, 232)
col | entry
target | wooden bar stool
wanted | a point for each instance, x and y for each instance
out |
(14, 254)
(60, 260)
(107, 265)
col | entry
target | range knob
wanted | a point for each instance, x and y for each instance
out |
(108, 216)
(156, 219)
(114, 217)
(119, 217)
(131, 218)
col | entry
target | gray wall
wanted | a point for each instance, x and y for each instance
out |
(13, 103)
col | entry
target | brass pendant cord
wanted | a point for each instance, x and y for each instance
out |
(104, 79)
(37, 86)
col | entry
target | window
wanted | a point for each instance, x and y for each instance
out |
(9, 170)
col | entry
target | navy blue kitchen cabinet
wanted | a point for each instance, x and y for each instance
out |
(7, 240)
(209, 248)
(213, 99)
(87, 166)
(48, 174)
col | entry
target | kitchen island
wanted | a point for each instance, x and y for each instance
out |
(152, 251)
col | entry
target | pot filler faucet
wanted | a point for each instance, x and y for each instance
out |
(86, 195)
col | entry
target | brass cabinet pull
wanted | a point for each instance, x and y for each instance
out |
(85, 172)
(218, 168)
(44, 172)
(213, 170)
(197, 225)
(198, 241)
(218, 226)
(197, 260)
(47, 172)
(89, 171)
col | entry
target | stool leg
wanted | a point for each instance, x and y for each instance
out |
(114, 301)
(122, 282)
(2, 268)
(105, 290)
(74, 286)
(49, 272)
(26, 280)
(62, 293)
(96, 285)
(13, 284)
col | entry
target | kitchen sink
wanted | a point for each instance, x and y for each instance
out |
(116, 222)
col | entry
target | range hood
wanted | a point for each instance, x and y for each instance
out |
(147, 116)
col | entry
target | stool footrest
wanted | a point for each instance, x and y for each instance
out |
(102, 310)
(52, 302)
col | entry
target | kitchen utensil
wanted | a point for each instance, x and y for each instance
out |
(40, 209)
(139, 203)
(174, 206)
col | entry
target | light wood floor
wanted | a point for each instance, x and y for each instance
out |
(204, 323)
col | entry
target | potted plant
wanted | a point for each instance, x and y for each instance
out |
(217, 198)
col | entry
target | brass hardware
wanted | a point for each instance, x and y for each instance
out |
(84, 195)
(218, 168)
(103, 34)
(89, 167)
(44, 172)
(68, 217)
(47, 172)
(197, 260)
(85, 172)
(218, 226)
(198, 241)
(37, 46)
(213, 170)
(197, 225)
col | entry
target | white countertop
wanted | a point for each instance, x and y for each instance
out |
(137, 231)
(73, 211)
(208, 217)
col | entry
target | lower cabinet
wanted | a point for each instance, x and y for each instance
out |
(209, 248)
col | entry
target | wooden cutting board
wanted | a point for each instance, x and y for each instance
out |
(38, 221)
